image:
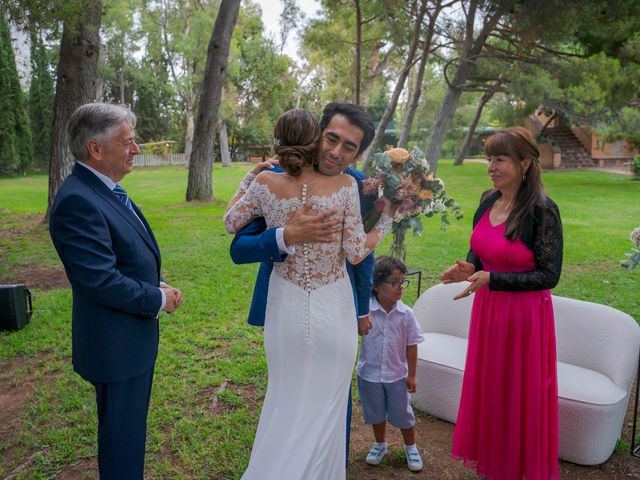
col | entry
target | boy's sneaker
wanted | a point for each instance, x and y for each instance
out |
(377, 453)
(414, 460)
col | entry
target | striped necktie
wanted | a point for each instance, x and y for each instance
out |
(121, 193)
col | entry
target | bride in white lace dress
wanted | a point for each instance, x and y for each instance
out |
(310, 335)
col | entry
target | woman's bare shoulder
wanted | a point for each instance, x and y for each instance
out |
(345, 180)
(268, 177)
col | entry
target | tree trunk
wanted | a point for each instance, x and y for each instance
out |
(188, 136)
(375, 68)
(76, 85)
(441, 126)
(414, 98)
(358, 50)
(393, 102)
(472, 126)
(224, 144)
(121, 75)
(100, 80)
(201, 161)
(471, 49)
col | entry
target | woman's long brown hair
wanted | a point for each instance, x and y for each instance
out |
(519, 144)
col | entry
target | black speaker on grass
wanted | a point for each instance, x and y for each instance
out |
(15, 306)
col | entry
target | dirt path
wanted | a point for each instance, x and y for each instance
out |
(434, 440)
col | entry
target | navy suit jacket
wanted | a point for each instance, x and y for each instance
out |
(255, 243)
(112, 261)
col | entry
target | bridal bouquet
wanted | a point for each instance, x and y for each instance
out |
(405, 178)
(633, 259)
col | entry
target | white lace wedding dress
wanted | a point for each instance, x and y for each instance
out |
(310, 339)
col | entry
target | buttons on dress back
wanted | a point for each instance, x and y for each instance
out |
(305, 248)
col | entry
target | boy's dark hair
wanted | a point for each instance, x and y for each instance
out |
(356, 114)
(384, 267)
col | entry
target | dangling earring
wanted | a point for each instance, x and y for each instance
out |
(524, 178)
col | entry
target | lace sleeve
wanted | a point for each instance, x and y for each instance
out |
(246, 208)
(355, 243)
(475, 260)
(547, 249)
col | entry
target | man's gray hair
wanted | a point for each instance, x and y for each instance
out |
(97, 121)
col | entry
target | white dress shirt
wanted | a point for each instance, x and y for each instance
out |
(383, 352)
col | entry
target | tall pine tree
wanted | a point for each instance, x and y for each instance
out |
(15, 134)
(41, 94)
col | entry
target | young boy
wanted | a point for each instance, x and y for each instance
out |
(387, 363)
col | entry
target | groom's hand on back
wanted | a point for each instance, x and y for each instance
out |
(306, 228)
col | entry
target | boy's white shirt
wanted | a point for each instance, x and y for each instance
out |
(383, 351)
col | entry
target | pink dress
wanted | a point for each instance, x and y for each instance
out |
(507, 426)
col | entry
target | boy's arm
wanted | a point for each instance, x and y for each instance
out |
(412, 363)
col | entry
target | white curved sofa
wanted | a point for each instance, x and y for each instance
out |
(597, 360)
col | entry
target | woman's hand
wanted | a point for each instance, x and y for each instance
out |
(390, 208)
(477, 280)
(249, 178)
(266, 165)
(457, 273)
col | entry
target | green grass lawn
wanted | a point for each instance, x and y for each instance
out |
(211, 373)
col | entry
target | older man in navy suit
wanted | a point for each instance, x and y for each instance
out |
(112, 261)
(347, 130)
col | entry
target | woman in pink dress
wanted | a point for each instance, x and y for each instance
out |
(507, 426)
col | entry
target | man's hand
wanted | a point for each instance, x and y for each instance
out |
(364, 325)
(411, 384)
(305, 228)
(173, 296)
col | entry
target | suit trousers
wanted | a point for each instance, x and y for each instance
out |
(122, 426)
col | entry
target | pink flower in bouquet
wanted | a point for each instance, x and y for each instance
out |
(408, 205)
(371, 185)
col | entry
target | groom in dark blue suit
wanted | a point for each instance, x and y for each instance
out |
(112, 261)
(347, 130)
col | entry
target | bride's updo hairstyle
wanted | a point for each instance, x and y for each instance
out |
(295, 138)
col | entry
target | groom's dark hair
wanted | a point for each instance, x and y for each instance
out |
(356, 114)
